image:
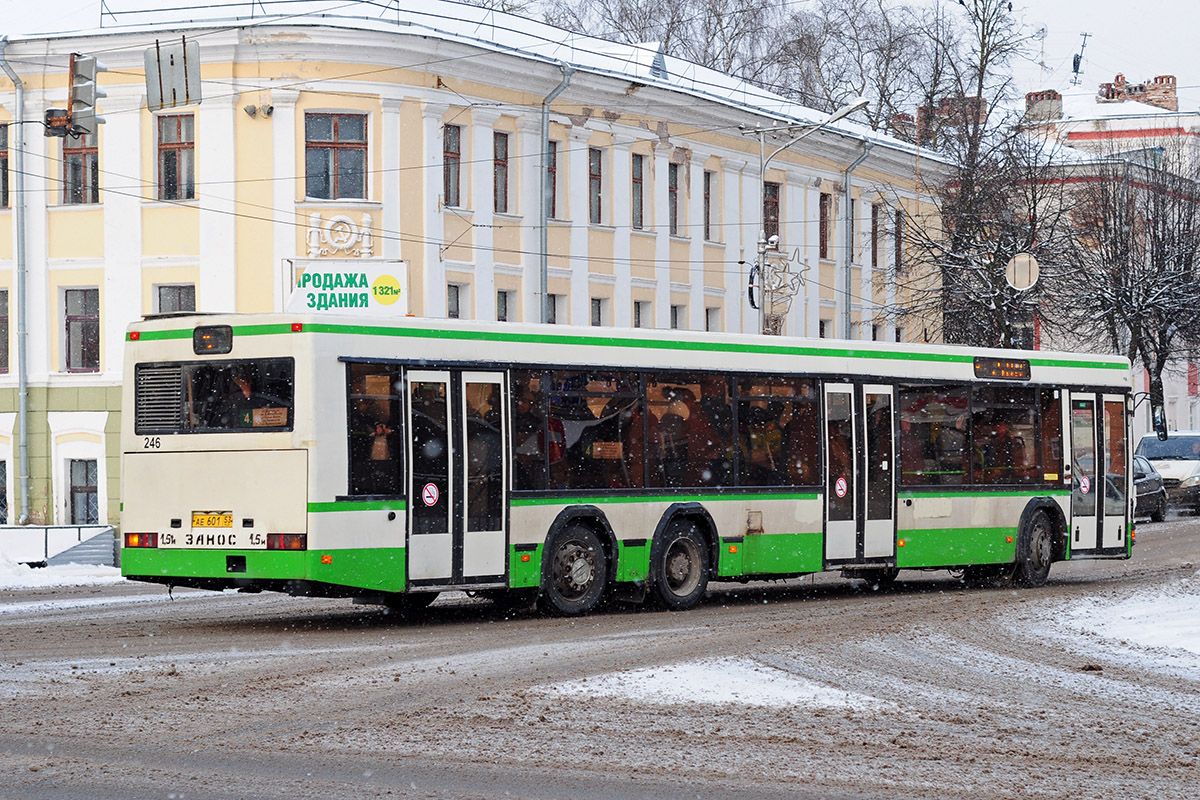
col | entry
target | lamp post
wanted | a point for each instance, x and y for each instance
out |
(763, 161)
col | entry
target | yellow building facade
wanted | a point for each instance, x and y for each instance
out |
(416, 139)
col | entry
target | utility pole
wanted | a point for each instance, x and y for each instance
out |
(807, 129)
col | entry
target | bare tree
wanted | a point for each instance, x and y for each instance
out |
(738, 37)
(995, 201)
(1018, 205)
(836, 50)
(1134, 263)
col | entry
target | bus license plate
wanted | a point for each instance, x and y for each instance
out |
(212, 520)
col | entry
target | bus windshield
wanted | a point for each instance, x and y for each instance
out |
(1177, 448)
(212, 397)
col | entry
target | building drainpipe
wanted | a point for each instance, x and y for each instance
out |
(544, 197)
(848, 327)
(22, 270)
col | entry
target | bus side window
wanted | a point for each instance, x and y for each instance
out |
(933, 435)
(374, 429)
(778, 436)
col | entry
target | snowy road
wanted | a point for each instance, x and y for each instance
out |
(1086, 688)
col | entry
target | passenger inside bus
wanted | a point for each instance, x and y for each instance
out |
(375, 445)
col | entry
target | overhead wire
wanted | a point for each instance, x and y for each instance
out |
(381, 232)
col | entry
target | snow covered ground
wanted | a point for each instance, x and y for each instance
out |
(1155, 627)
(1159, 629)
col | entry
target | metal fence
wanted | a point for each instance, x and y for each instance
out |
(37, 544)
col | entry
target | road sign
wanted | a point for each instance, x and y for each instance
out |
(172, 75)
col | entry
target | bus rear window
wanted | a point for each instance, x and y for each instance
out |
(214, 397)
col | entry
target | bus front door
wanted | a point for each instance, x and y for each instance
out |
(1099, 467)
(457, 478)
(860, 473)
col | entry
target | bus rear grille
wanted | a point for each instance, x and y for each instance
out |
(158, 397)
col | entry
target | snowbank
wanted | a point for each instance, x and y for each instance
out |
(741, 681)
(1162, 619)
(20, 576)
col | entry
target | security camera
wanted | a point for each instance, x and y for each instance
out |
(773, 242)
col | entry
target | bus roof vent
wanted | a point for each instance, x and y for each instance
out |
(158, 397)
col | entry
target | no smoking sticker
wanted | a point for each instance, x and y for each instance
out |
(839, 487)
(1085, 485)
(430, 494)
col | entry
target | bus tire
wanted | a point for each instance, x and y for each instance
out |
(1035, 551)
(680, 569)
(576, 572)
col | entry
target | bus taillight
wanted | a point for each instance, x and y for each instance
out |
(141, 540)
(287, 541)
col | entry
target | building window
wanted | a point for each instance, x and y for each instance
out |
(899, 334)
(553, 305)
(641, 313)
(83, 329)
(673, 198)
(876, 222)
(500, 172)
(81, 170)
(502, 306)
(3, 330)
(898, 244)
(823, 329)
(451, 165)
(709, 185)
(335, 156)
(598, 309)
(3, 166)
(176, 157)
(823, 224)
(3, 492)
(712, 319)
(638, 169)
(595, 184)
(552, 179)
(874, 333)
(771, 209)
(678, 317)
(178, 298)
(453, 298)
(85, 500)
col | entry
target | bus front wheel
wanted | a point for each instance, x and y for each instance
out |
(576, 572)
(680, 569)
(1035, 551)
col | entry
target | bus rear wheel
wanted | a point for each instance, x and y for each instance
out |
(680, 569)
(1035, 551)
(576, 572)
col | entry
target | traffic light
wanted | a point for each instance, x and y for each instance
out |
(83, 94)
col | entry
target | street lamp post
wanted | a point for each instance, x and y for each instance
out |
(763, 161)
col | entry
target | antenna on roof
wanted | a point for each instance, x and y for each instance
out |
(1077, 61)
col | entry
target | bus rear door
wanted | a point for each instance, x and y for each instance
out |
(457, 477)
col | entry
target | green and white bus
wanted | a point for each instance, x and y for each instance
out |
(391, 460)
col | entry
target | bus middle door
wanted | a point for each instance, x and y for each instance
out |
(860, 473)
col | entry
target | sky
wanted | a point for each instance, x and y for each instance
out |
(1157, 41)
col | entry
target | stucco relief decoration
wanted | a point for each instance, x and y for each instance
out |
(339, 235)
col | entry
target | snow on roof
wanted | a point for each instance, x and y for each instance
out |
(1082, 106)
(497, 31)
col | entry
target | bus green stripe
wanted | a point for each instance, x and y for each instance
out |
(358, 505)
(516, 502)
(984, 493)
(629, 342)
